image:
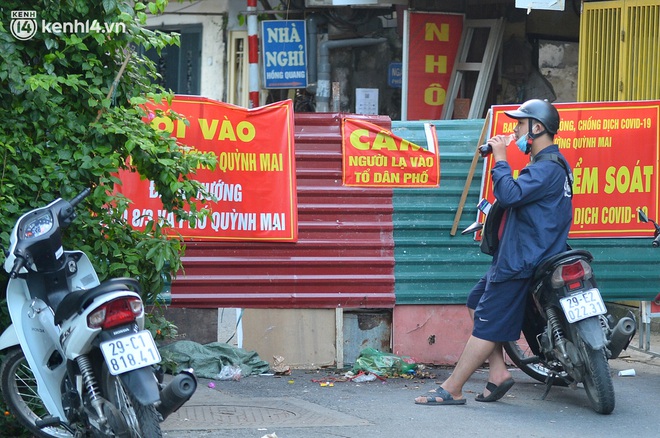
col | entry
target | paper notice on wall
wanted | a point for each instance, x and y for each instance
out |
(366, 101)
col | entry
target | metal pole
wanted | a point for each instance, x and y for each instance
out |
(253, 55)
(404, 77)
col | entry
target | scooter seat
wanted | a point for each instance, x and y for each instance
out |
(549, 264)
(78, 301)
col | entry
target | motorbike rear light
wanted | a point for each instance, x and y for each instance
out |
(571, 275)
(114, 313)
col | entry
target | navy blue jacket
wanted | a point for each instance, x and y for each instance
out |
(539, 216)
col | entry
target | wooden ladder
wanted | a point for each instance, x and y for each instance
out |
(485, 67)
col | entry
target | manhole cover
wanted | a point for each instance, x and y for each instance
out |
(259, 412)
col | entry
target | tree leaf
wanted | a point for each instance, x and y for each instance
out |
(58, 142)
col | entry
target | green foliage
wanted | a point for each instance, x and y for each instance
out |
(8, 422)
(10, 425)
(70, 121)
(163, 331)
(160, 328)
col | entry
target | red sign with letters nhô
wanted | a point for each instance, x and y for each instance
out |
(433, 41)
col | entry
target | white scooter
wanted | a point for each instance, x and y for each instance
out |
(77, 360)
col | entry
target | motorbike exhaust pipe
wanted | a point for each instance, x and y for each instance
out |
(177, 392)
(621, 336)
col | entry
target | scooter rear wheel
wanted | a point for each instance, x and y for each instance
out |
(142, 421)
(598, 380)
(19, 390)
(525, 359)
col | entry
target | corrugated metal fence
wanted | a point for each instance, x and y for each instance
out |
(344, 256)
(354, 243)
(433, 267)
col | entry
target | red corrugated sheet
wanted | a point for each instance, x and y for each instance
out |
(344, 256)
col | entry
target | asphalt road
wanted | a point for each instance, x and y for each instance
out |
(303, 405)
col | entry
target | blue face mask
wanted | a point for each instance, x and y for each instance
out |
(522, 144)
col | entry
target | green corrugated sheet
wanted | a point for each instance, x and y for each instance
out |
(432, 267)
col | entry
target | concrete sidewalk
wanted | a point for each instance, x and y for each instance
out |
(321, 404)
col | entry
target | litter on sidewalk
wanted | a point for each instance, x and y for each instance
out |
(383, 364)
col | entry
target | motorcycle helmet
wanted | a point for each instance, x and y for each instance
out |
(540, 110)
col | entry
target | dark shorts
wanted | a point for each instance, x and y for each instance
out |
(499, 309)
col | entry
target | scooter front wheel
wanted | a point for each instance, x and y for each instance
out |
(19, 390)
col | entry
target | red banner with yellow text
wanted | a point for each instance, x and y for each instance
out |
(433, 41)
(375, 157)
(254, 181)
(613, 148)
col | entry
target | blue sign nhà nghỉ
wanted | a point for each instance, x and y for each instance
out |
(284, 51)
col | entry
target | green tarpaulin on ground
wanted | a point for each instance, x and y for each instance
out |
(208, 360)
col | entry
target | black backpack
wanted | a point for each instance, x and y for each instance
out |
(489, 235)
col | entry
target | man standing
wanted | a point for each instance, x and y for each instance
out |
(534, 227)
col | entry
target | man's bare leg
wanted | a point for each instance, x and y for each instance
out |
(498, 372)
(474, 354)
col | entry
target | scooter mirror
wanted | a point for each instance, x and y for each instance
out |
(642, 216)
(476, 226)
